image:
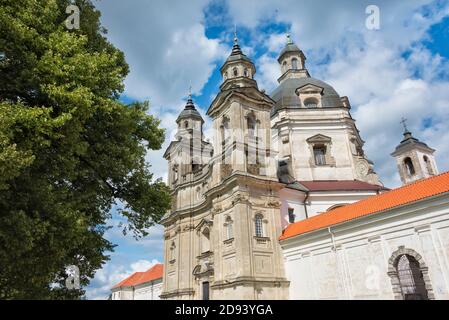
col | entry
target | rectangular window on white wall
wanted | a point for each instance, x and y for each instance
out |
(320, 155)
(291, 215)
(259, 226)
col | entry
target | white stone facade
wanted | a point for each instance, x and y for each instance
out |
(275, 160)
(354, 260)
(144, 291)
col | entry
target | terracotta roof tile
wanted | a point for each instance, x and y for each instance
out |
(394, 198)
(129, 281)
(137, 278)
(154, 273)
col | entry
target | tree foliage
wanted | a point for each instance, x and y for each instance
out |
(69, 149)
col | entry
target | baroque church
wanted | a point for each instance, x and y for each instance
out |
(284, 203)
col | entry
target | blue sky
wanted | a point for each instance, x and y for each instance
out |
(401, 70)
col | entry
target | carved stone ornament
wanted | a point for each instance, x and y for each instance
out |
(254, 169)
(273, 204)
(216, 210)
(188, 227)
(226, 170)
(239, 197)
(362, 168)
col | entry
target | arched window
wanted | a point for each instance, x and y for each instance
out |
(186, 124)
(205, 240)
(245, 72)
(428, 165)
(258, 224)
(409, 167)
(198, 193)
(311, 103)
(294, 64)
(175, 172)
(284, 66)
(225, 130)
(235, 72)
(229, 226)
(411, 278)
(251, 123)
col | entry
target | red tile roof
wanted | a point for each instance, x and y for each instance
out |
(154, 273)
(137, 278)
(340, 185)
(404, 195)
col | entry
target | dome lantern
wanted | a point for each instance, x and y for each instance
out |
(292, 61)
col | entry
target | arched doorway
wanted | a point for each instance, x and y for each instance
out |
(409, 276)
(411, 279)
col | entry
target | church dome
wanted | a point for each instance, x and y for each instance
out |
(236, 58)
(189, 112)
(290, 47)
(285, 96)
(237, 54)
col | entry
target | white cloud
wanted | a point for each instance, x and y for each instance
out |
(372, 68)
(321, 22)
(268, 72)
(142, 265)
(112, 274)
(164, 44)
(383, 87)
(166, 47)
(276, 42)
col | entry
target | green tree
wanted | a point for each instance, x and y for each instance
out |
(69, 149)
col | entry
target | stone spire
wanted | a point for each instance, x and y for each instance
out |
(238, 68)
(189, 111)
(236, 53)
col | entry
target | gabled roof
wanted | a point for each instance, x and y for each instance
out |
(407, 194)
(340, 185)
(249, 92)
(327, 185)
(129, 282)
(137, 278)
(152, 274)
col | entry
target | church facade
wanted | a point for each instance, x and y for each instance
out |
(276, 163)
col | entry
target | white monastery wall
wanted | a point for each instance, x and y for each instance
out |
(357, 268)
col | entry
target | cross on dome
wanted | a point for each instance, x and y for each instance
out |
(404, 124)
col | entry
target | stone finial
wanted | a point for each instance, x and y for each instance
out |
(236, 39)
(289, 39)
